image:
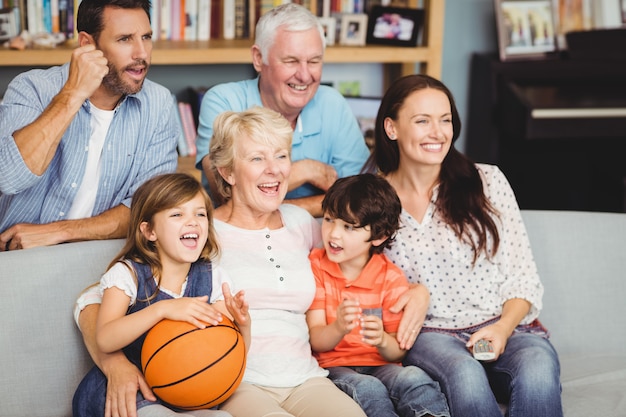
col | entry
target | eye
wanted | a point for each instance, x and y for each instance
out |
(327, 219)
(349, 227)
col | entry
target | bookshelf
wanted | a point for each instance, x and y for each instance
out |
(397, 60)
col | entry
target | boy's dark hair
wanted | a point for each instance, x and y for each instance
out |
(89, 18)
(365, 200)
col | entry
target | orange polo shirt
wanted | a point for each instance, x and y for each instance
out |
(379, 286)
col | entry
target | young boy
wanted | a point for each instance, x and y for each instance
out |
(352, 330)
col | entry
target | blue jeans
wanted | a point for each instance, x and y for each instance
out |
(391, 390)
(526, 376)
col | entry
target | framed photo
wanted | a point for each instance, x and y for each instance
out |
(622, 5)
(8, 24)
(329, 25)
(525, 28)
(353, 29)
(365, 110)
(396, 26)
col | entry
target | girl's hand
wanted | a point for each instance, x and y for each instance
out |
(237, 306)
(348, 313)
(372, 330)
(194, 310)
(495, 334)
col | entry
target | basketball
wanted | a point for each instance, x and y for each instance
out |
(192, 368)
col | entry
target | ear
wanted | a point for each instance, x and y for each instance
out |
(257, 58)
(227, 175)
(85, 39)
(390, 129)
(380, 241)
(147, 232)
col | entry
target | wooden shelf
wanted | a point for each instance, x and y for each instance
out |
(219, 51)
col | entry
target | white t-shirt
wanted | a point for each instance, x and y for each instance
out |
(85, 199)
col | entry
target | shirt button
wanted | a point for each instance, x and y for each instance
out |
(74, 185)
(267, 236)
(271, 259)
(269, 248)
(61, 213)
(281, 278)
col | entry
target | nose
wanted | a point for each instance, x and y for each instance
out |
(436, 130)
(141, 49)
(192, 220)
(303, 72)
(272, 166)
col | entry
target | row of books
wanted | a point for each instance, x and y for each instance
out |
(43, 16)
(187, 20)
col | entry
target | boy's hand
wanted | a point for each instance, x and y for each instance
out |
(373, 331)
(348, 313)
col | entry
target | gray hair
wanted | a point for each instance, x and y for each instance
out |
(293, 17)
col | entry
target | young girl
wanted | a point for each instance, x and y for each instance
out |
(165, 272)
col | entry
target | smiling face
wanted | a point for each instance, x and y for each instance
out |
(291, 72)
(346, 244)
(180, 232)
(259, 176)
(423, 128)
(126, 42)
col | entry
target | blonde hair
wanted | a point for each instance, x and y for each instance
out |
(262, 125)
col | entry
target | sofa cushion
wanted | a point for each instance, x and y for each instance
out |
(581, 259)
(43, 356)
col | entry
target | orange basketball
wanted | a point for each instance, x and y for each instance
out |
(192, 368)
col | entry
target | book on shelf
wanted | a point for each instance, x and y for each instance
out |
(189, 128)
(181, 141)
(203, 20)
(190, 20)
(194, 97)
(228, 19)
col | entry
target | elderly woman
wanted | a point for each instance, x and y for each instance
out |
(265, 247)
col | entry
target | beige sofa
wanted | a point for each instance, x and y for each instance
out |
(581, 258)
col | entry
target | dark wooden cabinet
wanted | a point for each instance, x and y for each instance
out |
(556, 127)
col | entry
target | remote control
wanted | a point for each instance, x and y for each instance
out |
(483, 350)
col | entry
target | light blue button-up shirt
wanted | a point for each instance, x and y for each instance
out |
(140, 143)
(327, 130)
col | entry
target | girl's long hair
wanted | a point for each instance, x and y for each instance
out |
(461, 198)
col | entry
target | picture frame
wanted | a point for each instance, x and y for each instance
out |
(353, 29)
(397, 26)
(329, 24)
(526, 29)
(8, 23)
(622, 6)
(365, 109)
